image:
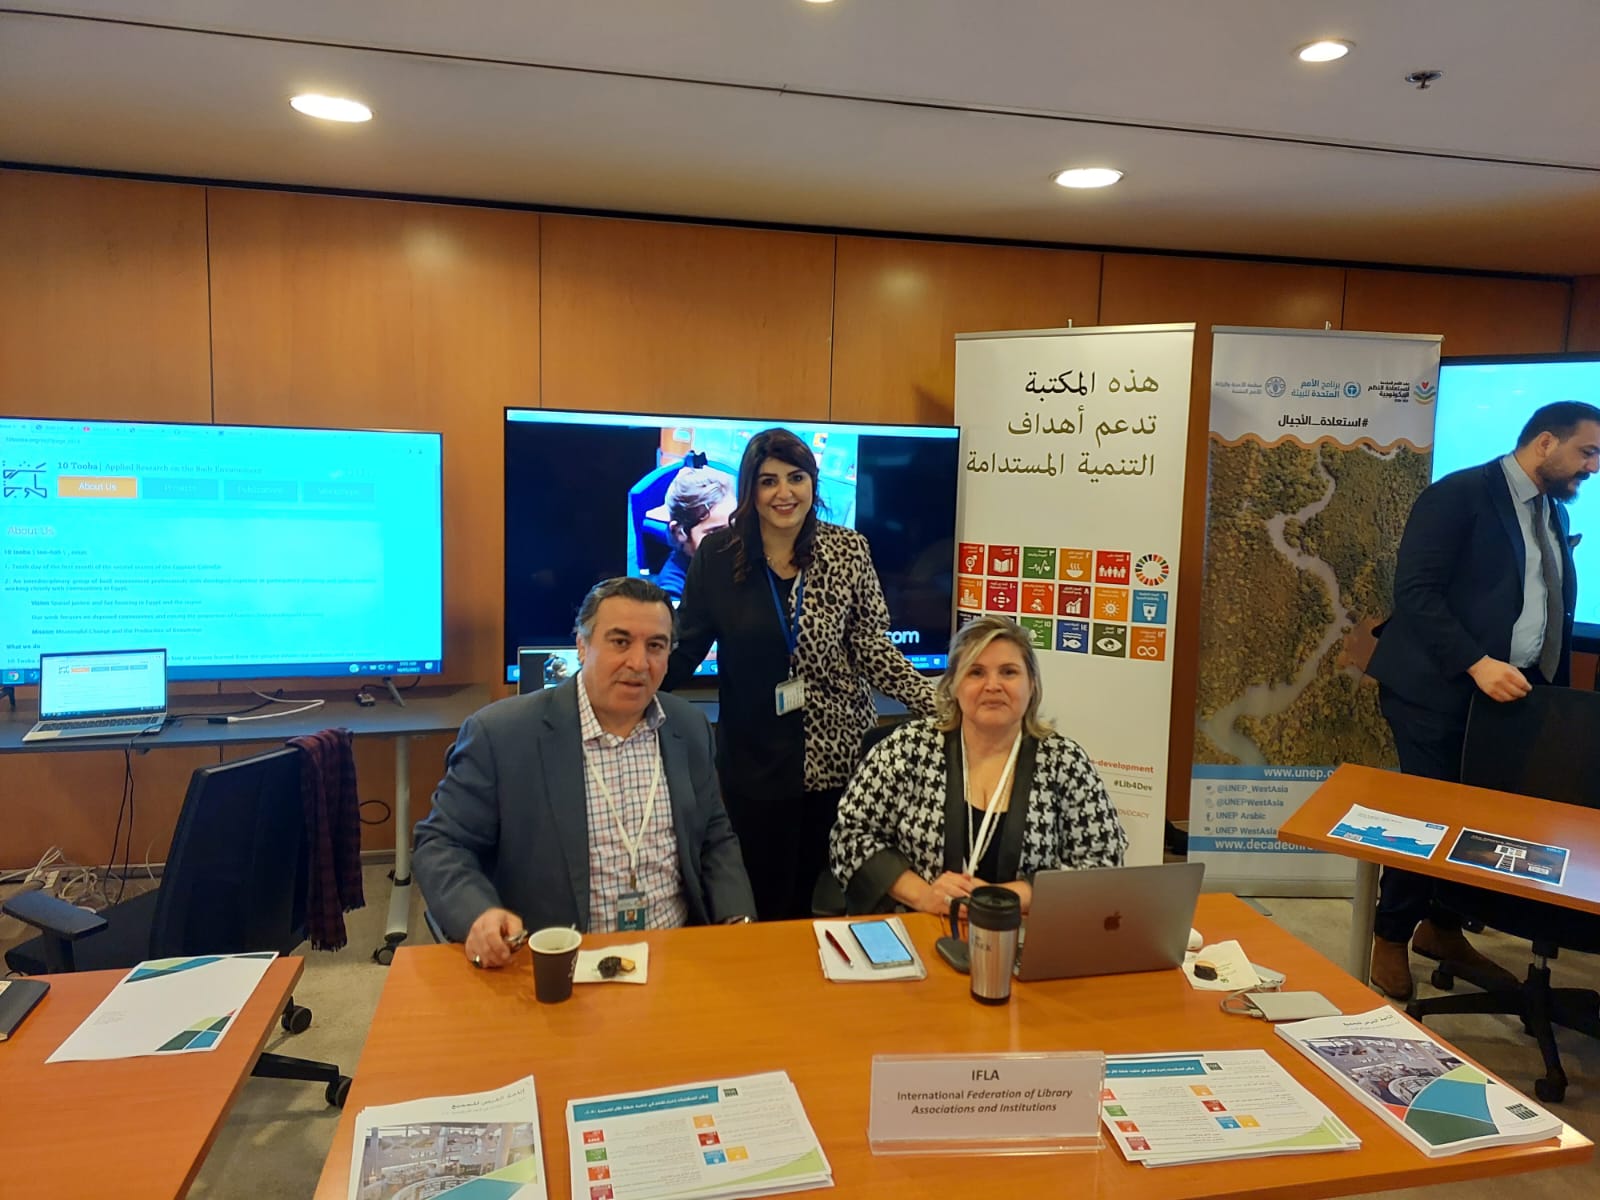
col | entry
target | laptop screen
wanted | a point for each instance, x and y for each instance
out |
(103, 683)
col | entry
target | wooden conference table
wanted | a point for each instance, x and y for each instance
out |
(128, 1126)
(732, 1001)
(1460, 807)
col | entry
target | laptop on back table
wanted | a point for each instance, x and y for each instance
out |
(1109, 920)
(101, 693)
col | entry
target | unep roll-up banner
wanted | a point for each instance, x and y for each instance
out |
(1320, 444)
(1068, 519)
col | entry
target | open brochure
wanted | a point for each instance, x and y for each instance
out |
(483, 1143)
(1438, 1102)
(1166, 1109)
(724, 1138)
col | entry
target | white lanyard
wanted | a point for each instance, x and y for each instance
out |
(630, 844)
(979, 843)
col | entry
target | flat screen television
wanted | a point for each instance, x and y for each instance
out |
(1483, 404)
(587, 499)
(247, 552)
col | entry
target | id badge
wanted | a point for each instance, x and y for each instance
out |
(789, 696)
(632, 909)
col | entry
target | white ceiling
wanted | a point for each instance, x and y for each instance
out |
(921, 116)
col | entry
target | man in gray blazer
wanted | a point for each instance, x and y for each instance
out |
(547, 813)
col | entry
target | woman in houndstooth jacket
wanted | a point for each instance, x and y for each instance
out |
(984, 792)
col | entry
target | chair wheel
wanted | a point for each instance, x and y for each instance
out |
(338, 1091)
(1442, 979)
(1551, 1091)
(383, 955)
(296, 1019)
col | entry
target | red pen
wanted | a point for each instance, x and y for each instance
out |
(834, 942)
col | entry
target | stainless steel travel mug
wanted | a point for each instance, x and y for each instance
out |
(994, 917)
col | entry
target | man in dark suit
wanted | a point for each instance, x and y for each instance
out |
(547, 813)
(1484, 592)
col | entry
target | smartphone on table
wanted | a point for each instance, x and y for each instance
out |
(881, 944)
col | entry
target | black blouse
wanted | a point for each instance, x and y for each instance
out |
(758, 752)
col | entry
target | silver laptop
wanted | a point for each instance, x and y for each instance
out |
(102, 693)
(1109, 920)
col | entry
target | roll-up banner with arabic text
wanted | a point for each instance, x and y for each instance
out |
(1069, 515)
(1320, 444)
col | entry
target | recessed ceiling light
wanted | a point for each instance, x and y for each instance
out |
(1088, 177)
(330, 108)
(1323, 51)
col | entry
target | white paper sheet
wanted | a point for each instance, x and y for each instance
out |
(1165, 1109)
(168, 1006)
(1234, 972)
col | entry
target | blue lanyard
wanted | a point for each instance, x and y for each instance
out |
(790, 623)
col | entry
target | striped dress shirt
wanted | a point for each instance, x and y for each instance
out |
(627, 765)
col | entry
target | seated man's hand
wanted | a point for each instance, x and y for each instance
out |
(486, 940)
(1499, 680)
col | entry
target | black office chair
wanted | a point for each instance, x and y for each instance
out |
(235, 882)
(1547, 745)
(827, 897)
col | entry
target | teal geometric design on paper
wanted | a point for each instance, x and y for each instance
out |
(203, 1032)
(486, 1188)
(1452, 1108)
(160, 968)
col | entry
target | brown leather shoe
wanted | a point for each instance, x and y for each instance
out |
(1450, 947)
(1390, 972)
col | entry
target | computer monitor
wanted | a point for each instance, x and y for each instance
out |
(594, 495)
(248, 552)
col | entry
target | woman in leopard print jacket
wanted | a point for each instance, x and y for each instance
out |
(792, 603)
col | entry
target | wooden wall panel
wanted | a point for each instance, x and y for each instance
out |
(356, 313)
(103, 315)
(1476, 315)
(1146, 289)
(352, 312)
(103, 298)
(1583, 326)
(70, 800)
(898, 305)
(645, 316)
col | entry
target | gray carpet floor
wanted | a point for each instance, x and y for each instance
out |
(275, 1140)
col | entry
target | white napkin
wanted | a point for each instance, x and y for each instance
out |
(1234, 972)
(588, 970)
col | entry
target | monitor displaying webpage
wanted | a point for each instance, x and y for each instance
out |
(247, 552)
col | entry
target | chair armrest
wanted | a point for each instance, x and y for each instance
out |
(52, 916)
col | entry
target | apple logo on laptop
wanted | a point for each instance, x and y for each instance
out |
(1113, 922)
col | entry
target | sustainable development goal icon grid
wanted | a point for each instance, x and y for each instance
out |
(1109, 603)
